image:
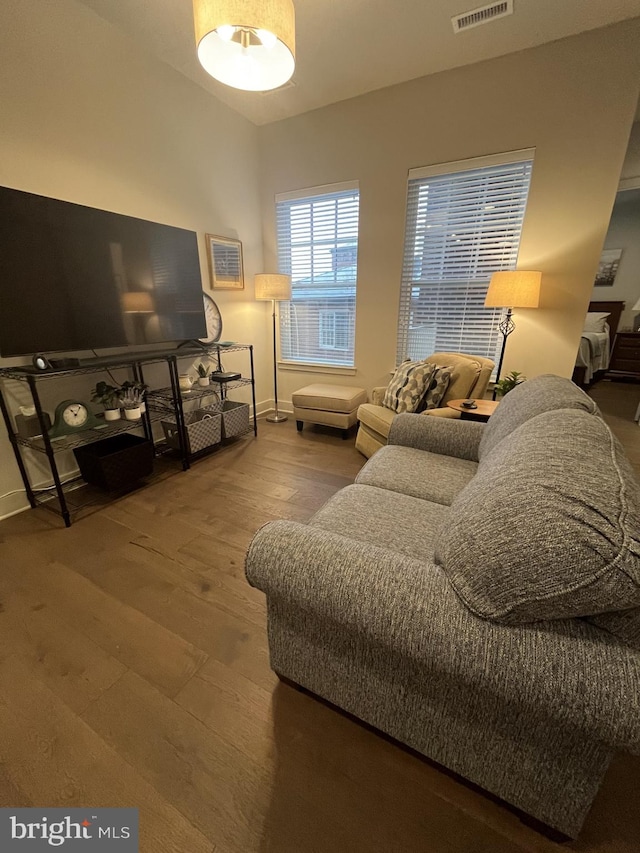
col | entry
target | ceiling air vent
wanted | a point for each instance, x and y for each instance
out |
(483, 15)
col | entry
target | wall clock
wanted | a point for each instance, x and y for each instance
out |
(72, 416)
(213, 319)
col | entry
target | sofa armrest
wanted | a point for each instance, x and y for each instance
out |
(566, 670)
(377, 395)
(442, 413)
(438, 435)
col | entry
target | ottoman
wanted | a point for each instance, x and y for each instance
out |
(329, 405)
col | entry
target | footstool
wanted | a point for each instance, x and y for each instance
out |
(329, 405)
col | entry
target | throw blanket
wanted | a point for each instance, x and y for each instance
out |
(593, 353)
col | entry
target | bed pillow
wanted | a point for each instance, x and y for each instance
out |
(436, 389)
(408, 386)
(595, 321)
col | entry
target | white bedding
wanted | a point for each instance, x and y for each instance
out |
(593, 353)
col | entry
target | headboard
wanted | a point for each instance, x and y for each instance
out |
(614, 309)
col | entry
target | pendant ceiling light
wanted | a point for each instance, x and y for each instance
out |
(247, 44)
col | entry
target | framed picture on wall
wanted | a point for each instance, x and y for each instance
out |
(608, 267)
(225, 263)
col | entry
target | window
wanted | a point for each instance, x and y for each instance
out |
(335, 330)
(318, 247)
(464, 222)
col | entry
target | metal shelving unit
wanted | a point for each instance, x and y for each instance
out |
(61, 496)
(161, 397)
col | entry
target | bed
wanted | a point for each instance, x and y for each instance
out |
(596, 341)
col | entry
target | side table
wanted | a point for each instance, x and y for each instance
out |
(625, 356)
(483, 411)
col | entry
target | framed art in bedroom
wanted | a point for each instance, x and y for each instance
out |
(608, 267)
(225, 263)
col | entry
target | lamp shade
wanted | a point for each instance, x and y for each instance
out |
(273, 286)
(514, 289)
(636, 307)
(247, 44)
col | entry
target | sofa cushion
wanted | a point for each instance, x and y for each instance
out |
(430, 476)
(376, 417)
(624, 624)
(404, 524)
(539, 535)
(408, 385)
(436, 390)
(533, 397)
(466, 371)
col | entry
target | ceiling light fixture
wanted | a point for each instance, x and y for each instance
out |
(246, 44)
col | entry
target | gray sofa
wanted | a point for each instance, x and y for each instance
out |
(475, 595)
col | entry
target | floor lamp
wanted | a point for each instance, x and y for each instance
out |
(512, 289)
(277, 288)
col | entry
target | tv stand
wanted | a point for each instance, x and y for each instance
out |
(160, 403)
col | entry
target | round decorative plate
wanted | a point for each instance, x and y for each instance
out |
(214, 320)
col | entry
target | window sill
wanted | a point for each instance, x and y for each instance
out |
(300, 367)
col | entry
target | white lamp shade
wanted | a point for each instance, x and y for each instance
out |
(247, 44)
(636, 307)
(514, 289)
(273, 286)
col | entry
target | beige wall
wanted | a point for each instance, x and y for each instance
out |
(86, 116)
(630, 175)
(624, 233)
(572, 100)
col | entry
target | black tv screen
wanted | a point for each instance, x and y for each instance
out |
(76, 278)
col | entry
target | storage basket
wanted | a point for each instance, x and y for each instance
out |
(116, 462)
(235, 418)
(204, 428)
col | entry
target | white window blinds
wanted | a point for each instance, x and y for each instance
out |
(318, 247)
(463, 223)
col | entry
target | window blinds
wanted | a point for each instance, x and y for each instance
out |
(318, 247)
(462, 225)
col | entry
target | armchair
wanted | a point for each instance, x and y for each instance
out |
(469, 379)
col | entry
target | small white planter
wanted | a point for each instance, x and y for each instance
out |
(112, 414)
(133, 414)
(203, 381)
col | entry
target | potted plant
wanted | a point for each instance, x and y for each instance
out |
(109, 397)
(508, 383)
(132, 399)
(203, 375)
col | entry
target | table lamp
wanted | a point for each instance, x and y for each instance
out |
(512, 289)
(636, 319)
(277, 288)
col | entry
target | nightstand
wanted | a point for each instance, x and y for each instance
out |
(625, 358)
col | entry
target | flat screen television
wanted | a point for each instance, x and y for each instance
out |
(76, 278)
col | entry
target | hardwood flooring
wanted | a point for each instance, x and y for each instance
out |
(618, 401)
(134, 672)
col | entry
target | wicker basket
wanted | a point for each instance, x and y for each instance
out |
(204, 428)
(235, 418)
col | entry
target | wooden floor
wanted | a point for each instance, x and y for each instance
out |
(134, 672)
(618, 401)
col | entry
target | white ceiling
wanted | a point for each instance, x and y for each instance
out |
(345, 48)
